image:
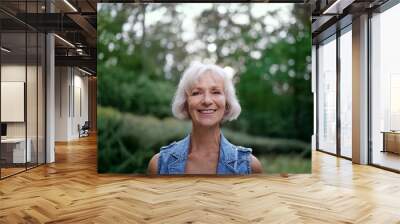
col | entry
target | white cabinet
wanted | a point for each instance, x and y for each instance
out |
(18, 145)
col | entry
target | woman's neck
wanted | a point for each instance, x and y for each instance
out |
(205, 139)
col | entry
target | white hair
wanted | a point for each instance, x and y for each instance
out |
(190, 76)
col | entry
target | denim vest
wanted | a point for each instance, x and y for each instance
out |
(233, 160)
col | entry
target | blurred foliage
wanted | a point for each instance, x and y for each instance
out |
(128, 141)
(285, 163)
(144, 48)
(266, 145)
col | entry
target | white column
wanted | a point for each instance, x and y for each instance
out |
(50, 99)
(360, 90)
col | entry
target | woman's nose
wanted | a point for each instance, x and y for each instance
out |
(207, 99)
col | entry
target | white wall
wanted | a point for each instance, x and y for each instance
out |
(16, 73)
(71, 102)
(62, 81)
(12, 73)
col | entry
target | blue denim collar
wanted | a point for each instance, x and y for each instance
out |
(227, 156)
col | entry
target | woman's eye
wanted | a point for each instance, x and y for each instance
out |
(195, 93)
(216, 92)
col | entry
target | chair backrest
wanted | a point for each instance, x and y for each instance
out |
(86, 125)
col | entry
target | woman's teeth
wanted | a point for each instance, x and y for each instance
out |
(207, 111)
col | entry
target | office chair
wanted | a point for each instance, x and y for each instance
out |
(84, 130)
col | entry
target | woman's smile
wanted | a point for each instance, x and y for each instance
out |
(207, 111)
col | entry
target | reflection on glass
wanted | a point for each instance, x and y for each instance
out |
(14, 151)
(327, 96)
(385, 89)
(345, 94)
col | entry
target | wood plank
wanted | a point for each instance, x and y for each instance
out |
(71, 191)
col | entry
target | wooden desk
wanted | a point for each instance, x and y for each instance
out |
(16, 147)
(391, 141)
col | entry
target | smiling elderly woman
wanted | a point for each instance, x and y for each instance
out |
(206, 96)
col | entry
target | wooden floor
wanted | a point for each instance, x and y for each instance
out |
(387, 159)
(70, 191)
(10, 171)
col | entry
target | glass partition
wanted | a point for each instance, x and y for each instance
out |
(14, 154)
(385, 89)
(327, 95)
(35, 87)
(31, 100)
(22, 89)
(346, 92)
(41, 157)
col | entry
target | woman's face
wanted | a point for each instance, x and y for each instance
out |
(206, 100)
